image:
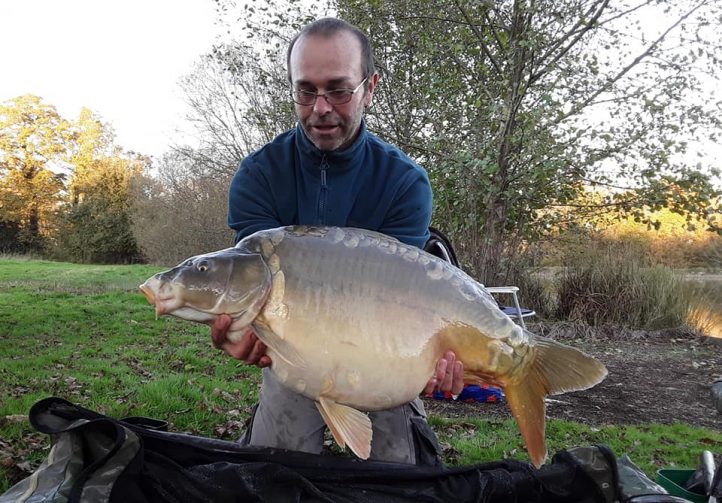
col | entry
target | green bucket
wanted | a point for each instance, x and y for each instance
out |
(673, 481)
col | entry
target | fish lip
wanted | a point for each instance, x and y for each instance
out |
(154, 300)
(148, 293)
(151, 297)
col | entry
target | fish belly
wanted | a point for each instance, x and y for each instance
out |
(343, 362)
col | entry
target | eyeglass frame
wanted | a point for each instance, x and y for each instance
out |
(316, 96)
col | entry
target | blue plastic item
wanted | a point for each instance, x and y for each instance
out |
(474, 394)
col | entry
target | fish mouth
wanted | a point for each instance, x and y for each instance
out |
(158, 302)
(148, 293)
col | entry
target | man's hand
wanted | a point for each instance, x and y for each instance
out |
(449, 376)
(248, 348)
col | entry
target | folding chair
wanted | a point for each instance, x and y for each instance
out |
(440, 246)
(514, 311)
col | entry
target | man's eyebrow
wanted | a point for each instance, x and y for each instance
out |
(331, 83)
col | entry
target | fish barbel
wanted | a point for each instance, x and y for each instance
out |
(357, 320)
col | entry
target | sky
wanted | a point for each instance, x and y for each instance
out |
(120, 58)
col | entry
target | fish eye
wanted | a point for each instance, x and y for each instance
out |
(202, 267)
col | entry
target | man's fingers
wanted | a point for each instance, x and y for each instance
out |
(441, 366)
(430, 386)
(448, 377)
(249, 349)
(257, 350)
(218, 338)
(458, 380)
(223, 322)
(240, 349)
(219, 330)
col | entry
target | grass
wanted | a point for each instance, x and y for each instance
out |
(650, 446)
(84, 333)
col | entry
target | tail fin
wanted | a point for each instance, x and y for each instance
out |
(526, 401)
(566, 368)
(556, 368)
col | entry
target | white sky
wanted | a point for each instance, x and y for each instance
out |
(120, 58)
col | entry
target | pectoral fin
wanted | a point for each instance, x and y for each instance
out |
(280, 347)
(348, 426)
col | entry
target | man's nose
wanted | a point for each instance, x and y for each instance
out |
(322, 106)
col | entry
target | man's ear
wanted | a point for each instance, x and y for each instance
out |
(368, 98)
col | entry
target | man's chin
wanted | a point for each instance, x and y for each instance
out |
(325, 143)
(328, 140)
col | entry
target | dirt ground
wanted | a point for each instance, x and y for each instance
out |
(659, 377)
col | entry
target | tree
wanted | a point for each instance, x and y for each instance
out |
(34, 143)
(239, 94)
(180, 211)
(93, 140)
(501, 101)
(95, 222)
(514, 106)
(64, 185)
(97, 228)
(233, 112)
(236, 104)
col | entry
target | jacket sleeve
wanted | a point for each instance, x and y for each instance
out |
(409, 216)
(250, 201)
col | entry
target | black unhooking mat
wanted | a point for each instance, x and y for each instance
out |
(96, 459)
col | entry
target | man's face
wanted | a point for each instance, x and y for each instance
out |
(321, 64)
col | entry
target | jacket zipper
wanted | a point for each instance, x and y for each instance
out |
(323, 192)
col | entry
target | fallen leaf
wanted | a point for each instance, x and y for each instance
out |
(6, 460)
(16, 418)
(25, 466)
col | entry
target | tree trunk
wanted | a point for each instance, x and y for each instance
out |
(496, 205)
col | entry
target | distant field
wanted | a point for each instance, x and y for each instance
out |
(85, 333)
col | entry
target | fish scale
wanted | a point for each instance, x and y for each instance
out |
(356, 321)
(319, 275)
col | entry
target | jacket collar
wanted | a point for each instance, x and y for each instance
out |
(335, 158)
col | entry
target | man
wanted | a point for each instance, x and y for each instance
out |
(330, 170)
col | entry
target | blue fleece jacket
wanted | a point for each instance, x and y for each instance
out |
(370, 185)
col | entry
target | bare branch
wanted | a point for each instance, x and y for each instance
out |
(612, 80)
(479, 36)
(580, 29)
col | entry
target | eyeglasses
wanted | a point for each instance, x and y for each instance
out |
(335, 97)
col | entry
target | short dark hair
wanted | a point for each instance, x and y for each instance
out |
(328, 27)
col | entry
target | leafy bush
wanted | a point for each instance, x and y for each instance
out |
(677, 242)
(663, 236)
(10, 238)
(535, 292)
(614, 285)
(94, 232)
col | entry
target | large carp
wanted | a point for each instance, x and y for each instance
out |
(357, 320)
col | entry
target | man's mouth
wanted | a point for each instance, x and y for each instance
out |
(325, 128)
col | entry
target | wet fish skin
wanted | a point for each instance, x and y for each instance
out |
(357, 320)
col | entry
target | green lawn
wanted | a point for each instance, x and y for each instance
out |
(85, 333)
